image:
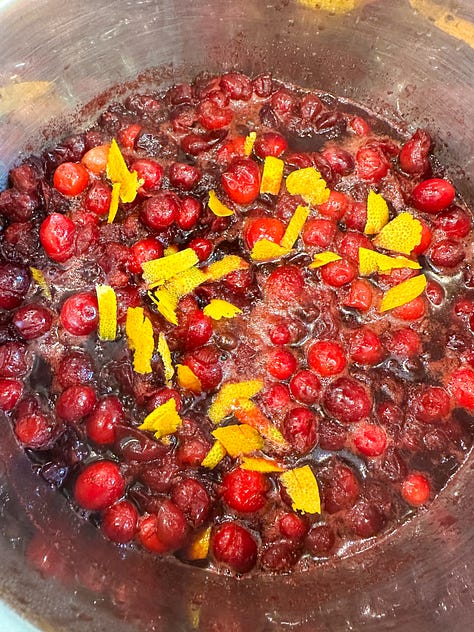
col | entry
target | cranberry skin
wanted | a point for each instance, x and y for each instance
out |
(413, 310)
(415, 490)
(347, 400)
(332, 435)
(101, 423)
(454, 222)
(98, 198)
(192, 452)
(57, 234)
(204, 363)
(338, 273)
(299, 429)
(263, 85)
(371, 164)
(80, 314)
(341, 491)
(281, 364)
(128, 135)
(370, 440)
(320, 540)
(13, 360)
(340, 160)
(350, 244)
(32, 321)
(148, 537)
(404, 343)
(270, 144)
(358, 126)
(34, 431)
(202, 247)
(212, 117)
(10, 393)
(365, 347)
(244, 490)
(160, 211)
(150, 171)
(413, 155)
(71, 178)
(425, 241)
(337, 205)
(184, 176)
(263, 228)
(198, 331)
(366, 520)
(360, 295)
(292, 526)
(241, 181)
(120, 522)
(447, 254)
(319, 232)
(305, 387)
(99, 485)
(282, 101)
(234, 546)
(75, 403)
(75, 368)
(432, 405)
(285, 284)
(193, 500)
(15, 281)
(279, 557)
(171, 526)
(161, 396)
(326, 358)
(144, 250)
(239, 281)
(433, 195)
(236, 85)
(277, 396)
(461, 387)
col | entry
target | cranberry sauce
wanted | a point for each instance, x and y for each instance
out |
(377, 402)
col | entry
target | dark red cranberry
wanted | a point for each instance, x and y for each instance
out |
(389, 414)
(415, 490)
(161, 476)
(99, 485)
(10, 393)
(299, 429)
(189, 212)
(320, 540)
(356, 216)
(342, 490)
(338, 273)
(146, 249)
(263, 85)
(24, 178)
(120, 522)
(15, 281)
(332, 435)
(454, 222)
(371, 164)
(237, 86)
(432, 405)
(370, 440)
(434, 292)
(404, 343)
(192, 452)
(171, 527)
(277, 396)
(326, 358)
(198, 330)
(128, 135)
(202, 247)
(181, 93)
(75, 368)
(160, 211)
(150, 171)
(193, 500)
(32, 321)
(213, 117)
(350, 244)
(161, 396)
(102, 421)
(57, 235)
(305, 387)
(347, 400)
(241, 181)
(183, 117)
(34, 431)
(80, 314)
(244, 490)
(219, 97)
(413, 155)
(205, 364)
(447, 253)
(340, 160)
(281, 363)
(270, 144)
(268, 228)
(75, 403)
(98, 198)
(195, 144)
(18, 206)
(234, 546)
(184, 176)
(239, 281)
(282, 101)
(285, 283)
(433, 195)
(71, 178)
(365, 519)
(292, 526)
(365, 347)
(279, 557)
(319, 232)
(13, 360)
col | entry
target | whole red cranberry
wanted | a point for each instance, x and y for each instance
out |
(99, 485)
(292, 526)
(71, 178)
(279, 557)
(413, 155)
(14, 361)
(338, 273)
(342, 489)
(461, 387)
(268, 228)
(299, 429)
(326, 358)
(75, 403)
(320, 540)
(193, 500)
(337, 205)
(202, 247)
(234, 546)
(205, 364)
(245, 490)
(171, 526)
(198, 330)
(285, 284)
(433, 195)
(189, 212)
(350, 244)
(74, 368)
(277, 396)
(184, 176)
(120, 522)
(241, 181)
(454, 222)
(319, 232)
(98, 198)
(101, 422)
(360, 295)
(150, 171)
(32, 321)
(415, 490)
(281, 363)
(366, 519)
(143, 250)
(359, 126)
(366, 347)
(236, 85)
(10, 393)
(147, 535)
(263, 85)
(15, 281)
(370, 440)
(447, 253)
(57, 235)
(340, 160)
(404, 343)
(371, 164)
(347, 400)
(34, 430)
(270, 144)
(280, 334)
(212, 117)
(80, 314)
(161, 396)
(160, 211)
(305, 387)
(432, 405)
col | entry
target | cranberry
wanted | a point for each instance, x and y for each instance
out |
(413, 310)
(365, 347)
(434, 292)
(32, 321)
(277, 396)
(415, 490)
(347, 400)
(360, 295)
(404, 343)
(184, 176)
(34, 431)
(282, 101)
(181, 93)
(128, 135)
(332, 435)
(95, 159)
(75, 403)
(198, 330)
(365, 519)
(340, 160)
(10, 393)
(319, 232)
(204, 363)
(244, 490)
(144, 250)
(148, 537)
(358, 126)
(337, 205)
(432, 405)
(270, 144)
(461, 387)
(80, 314)
(320, 540)
(102, 421)
(434, 195)
(57, 234)
(98, 198)
(413, 155)
(70, 178)
(160, 211)
(241, 181)
(150, 171)
(425, 241)
(356, 216)
(15, 281)
(171, 527)
(75, 368)
(189, 212)
(454, 222)
(263, 85)
(193, 500)
(263, 228)
(120, 522)
(281, 363)
(279, 557)
(13, 360)
(239, 281)
(338, 273)
(371, 164)
(342, 490)
(233, 545)
(299, 429)
(285, 283)
(370, 440)
(99, 485)
(231, 149)
(161, 396)
(292, 526)
(202, 247)
(213, 117)
(192, 452)
(447, 253)
(305, 387)
(237, 86)
(326, 358)
(350, 244)
(280, 334)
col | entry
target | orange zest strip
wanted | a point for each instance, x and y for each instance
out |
(38, 277)
(323, 258)
(302, 487)
(371, 261)
(402, 234)
(260, 464)
(272, 175)
(264, 250)
(218, 309)
(199, 547)
(172, 249)
(166, 304)
(114, 202)
(118, 173)
(249, 413)
(165, 354)
(226, 265)
(309, 184)
(185, 282)
(217, 207)
(228, 397)
(377, 213)
(249, 143)
(158, 271)
(295, 227)
(107, 302)
(238, 439)
(139, 332)
(187, 379)
(163, 421)
(403, 293)
(214, 456)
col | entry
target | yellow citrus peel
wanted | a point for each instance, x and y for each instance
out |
(163, 421)
(272, 175)
(217, 207)
(238, 439)
(264, 249)
(158, 271)
(249, 413)
(214, 456)
(403, 293)
(166, 304)
(323, 258)
(228, 397)
(107, 302)
(118, 173)
(187, 379)
(38, 277)
(260, 464)
(139, 332)
(402, 234)
(309, 184)
(295, 227)
(199, 547)
(165, 354)
(302, 488)
(185, 282)
(172, 249)
(377, 213)
(371, 261)
(226, 265)
(219, 308)
(114, 202)
(249, 143)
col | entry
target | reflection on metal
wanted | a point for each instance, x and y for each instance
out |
(446, 20)
(334, 6)
(19, 95)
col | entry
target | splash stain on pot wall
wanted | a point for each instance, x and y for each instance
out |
(446, 20)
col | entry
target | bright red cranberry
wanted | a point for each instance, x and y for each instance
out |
(71, 178)
(99, 485)
(305, 387)
(371, 164)
(192, 452)
(461, 387)
(75, 368)
(101, 422)
(10, 393)
(239, 281)
(270, 144)
(98, 197)
(234, 546)
(120, 522)
(320, 540)
(13, 360)
(350, 244)
(219, 97)
(414, 310)
(326, 358)
(202, 247)
(338, 273)
(282, 101)
(198, 330)
(347, 400)
(189, 212)
(128, 135)
(299, 429)
(15, 281)
(432, 405)
(237, 86)
(279, 557)
(319, 232)
(277, 396)
(358, 126)
(160, 211)
(32, 321)
(80, 314)
(184, 176)
(148, 537)
(293, 526)
(57, 234)
(231, 149)
(404, 343)
(280, 334)
(337, 205)
(244, 490)
(433, 195)
(365, 347)
(263, 228)
(413, 155)
(193, 500)
(370, 440)
(360, 295)
(340, 160)
(415, 490)
(425, 241)
(75, 403)
(342, 490)
(213, 117)
(161, 396)
(241, 181)
(454, 222)
(366, 519)
(281, 363)
(146, 249)
(34, 431)
(447, 253)
(150, 171)
(356, 216)
(285, 283)
(205, 364)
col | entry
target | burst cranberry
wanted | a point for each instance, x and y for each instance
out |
(57, 234)
(80, 314)
(205, 364)
(10, 393)
(338, 273)
(75, 403)
(71, 178)
(198, 330)
(461, 387)
(425, 241)
(193, 500)
(144, 250)
(358, 126)
(404, 343)
(371, 164)
(150, 171)
(98, 198)
(270, 144)
(233, 545)
(340, 160)
(202, 247)
(285, 283)
(241, 181)
(244, 490)
(263, 228)
(102, 421)
(320, 540)
(305, 387)
(160, 211)
(413, 155)
(282, 101)
(34, 431)
(279, 557)
(263, 85)
(184, 176)
(365, 347)
(161, 396)
(99, 485)
(434, 292)
(292, 526)
(370, 440)
(337, 205)
(13, 360)
(32, 321)
(415, 490)
(319, 232)
(454, 222)
(148, 537)
(120, 522)
(15, 281)
(281, 364)
(434, 195)
(239, 281)
(432, 405)
(75, 368)
(360, 295)
(277, 396)
(213, 117)
(231, 149)
(413, 310)
(128, 135)
(299, 429)
(326, 358)
(447, 253)
(342, 490)
(365, 519)
(171, 527)
(237, 86)
(347, 400)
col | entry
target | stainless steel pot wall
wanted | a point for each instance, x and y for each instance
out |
(412, 61)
